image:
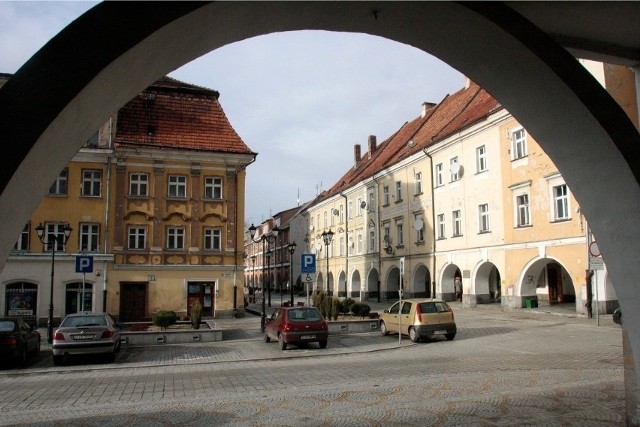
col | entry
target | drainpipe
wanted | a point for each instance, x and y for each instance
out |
(346, 281)
(378, 231)
(433, 223)
(235, 246)
(106, 220)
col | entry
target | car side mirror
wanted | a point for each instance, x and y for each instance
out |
(386, 311)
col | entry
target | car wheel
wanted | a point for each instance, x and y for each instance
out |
(450, 336)
(413, 335)
(383, 329)
(323, 344)
(266, 337)
(36, 351)
(22, 358)
(58, 360)
(283, 345)
(110, 357)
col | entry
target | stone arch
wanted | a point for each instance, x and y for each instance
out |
(356, 285)
(486, 284)
(421, 282)
(342, 280)
(545, 280)
(582, 117)
(391, 284)
(447, 277)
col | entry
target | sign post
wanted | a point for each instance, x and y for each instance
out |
(84, 264)
(308, 270)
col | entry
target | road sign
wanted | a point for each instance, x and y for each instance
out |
(596, 263)
(308, 263)
(309, 277)
(84, 264)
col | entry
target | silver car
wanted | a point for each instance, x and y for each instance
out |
(86, 333)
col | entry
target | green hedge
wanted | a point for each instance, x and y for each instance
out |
(164, 319)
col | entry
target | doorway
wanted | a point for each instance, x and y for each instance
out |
(133, 301)
(74, 295)
(203, 292)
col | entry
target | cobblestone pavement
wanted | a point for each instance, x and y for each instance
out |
(502, 369)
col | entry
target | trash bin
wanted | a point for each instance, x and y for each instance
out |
(531, 303)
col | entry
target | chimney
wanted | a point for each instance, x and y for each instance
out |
(372, 144)
(356, 154)
(426, 106)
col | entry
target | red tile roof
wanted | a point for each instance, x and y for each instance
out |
(453, 114)
(171, 114)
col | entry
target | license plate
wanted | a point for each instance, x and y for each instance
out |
(308, 337)
(82, 337)
(440, 332)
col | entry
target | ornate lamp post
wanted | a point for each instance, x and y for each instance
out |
(264, 238)
(253, 276)
(292, 249)
(327, 236)
(51, 240)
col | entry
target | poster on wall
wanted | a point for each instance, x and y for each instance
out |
(20, 302)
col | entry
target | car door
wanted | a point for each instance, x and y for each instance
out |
(391, 318)
(405, 317)
(273, 325)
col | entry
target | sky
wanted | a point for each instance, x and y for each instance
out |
(301, 100)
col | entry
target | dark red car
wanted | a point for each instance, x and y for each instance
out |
(296, 325)
(17, 340)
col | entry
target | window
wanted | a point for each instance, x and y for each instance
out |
(441, 226)
(137, 237)
(91, 183)
(341, 249)
(212, 188)
(386, 227)
(439, 178)
(418, 183)
(398, 191)
(138, 184)
(454, 168)
(333, 214)
(325, 219)
(359, 242)
(481, 158)
(23, 241)
(371, 201)
(518, 144)
(177, 186)
(456, 223)
(59, 186)
(89, 237)
(385, 195)
(213, 239)
(522, 210)
(372, 241)
(56, 230)
(399, 232)
(175, 238)
(341, 214)
(93, 140)
(483, 218)
(359, 206)
(350, 210)
(419, 227)
(560, 202)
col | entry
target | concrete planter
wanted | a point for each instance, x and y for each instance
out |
(186, 336)
(353, 326)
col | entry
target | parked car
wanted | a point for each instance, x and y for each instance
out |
(86, 333)
(17, 340)
(419, 319)
(296, 325)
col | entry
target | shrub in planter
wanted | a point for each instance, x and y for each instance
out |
(345, 305)
(335, 308)
(196, 315)
(360, 309)
(164, 319)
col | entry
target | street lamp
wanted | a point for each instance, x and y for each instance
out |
(253, 276)
(264, 238)
(292, 249)
(327, 236)
(51, 240)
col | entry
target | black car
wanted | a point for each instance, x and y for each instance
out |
(17, 340)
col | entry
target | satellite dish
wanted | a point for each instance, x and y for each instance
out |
(386, 238)
(319, 246)
(336, 212)
(363, 204)
(455, 168)
(311, 228)
(419, 224)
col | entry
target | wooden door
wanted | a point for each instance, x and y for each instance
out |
(133, 301)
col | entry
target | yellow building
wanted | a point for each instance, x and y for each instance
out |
(154, 200)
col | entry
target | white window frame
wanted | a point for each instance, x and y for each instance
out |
(481, 158)
(440, 219)
(89, 235)
(419, 233)
(439, 175)
(418, 183)
(360, 247)
(213, 188)
(60, 186)
(175, 238)
(359, 206)
(561, 203)
(398, 191)
(213, 238)
(484, 224)
(91, 183)
(138, 184)
(385, 195)
(523, 211)
(139, 235)
(372, 241)
(519, 149)
(399, 232)
(55, 229)
(454, 176)
(386, 234)
(22, 244)
(177, 187)
(456, 223)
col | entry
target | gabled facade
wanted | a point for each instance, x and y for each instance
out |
(155, 199)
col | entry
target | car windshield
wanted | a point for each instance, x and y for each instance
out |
(301, 315)
(81, 321)
(6, 326)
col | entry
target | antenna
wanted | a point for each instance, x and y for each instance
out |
(298, 199)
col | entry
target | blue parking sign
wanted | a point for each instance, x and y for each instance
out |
(84, 264)
(308, 263)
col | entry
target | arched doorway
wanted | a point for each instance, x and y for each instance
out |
(355, 284)
(447, 282)
(342, 283)
(372, 291)
(392, 284)
(421, 282)
(547, 282)
(487, 284)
